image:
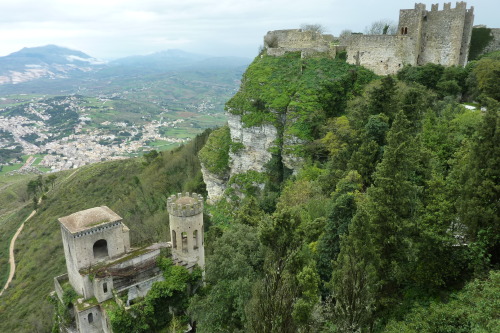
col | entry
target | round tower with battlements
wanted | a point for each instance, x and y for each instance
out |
(186, 228)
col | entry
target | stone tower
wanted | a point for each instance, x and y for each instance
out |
(91, 236)
(438, 36)
(186, 228)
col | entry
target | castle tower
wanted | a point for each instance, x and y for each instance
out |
(186, 228)
(89, 237)
(438, 36)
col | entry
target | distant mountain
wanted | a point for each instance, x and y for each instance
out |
(54, 62)
(172, 60)
(49, 61)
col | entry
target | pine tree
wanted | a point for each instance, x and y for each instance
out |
(479, 202)
(393, 204)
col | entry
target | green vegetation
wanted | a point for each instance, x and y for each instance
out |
(166, 299)
(394, 210)
(390, 225)
(215, 154)
(307, 90)
(480, 38)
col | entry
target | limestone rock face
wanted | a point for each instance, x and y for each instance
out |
(289, 158)
(216, 185)
(256, 140)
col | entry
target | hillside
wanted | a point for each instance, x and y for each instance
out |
(136, 191)
(363, 201)
(340, 202)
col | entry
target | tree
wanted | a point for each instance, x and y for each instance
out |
(487, 72)
(342, 211)
(51, 179)
(230, 272)
(393, 204)
(316, 27)
(382, 27)
(479, 197)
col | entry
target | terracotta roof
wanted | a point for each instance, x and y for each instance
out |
(89, 218)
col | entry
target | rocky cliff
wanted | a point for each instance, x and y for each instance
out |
(281, 106)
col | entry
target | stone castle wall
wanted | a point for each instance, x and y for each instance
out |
(424, 36)
(309, 43)
(384, 54)
(494, 45)
(446, 35)
(435, 36)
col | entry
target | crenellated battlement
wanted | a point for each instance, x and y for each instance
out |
(185, 204)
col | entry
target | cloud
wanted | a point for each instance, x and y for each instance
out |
(115, 28)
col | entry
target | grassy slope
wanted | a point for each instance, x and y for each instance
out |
(136, 192)
(13, 208)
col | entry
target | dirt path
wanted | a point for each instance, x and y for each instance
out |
(12, 260)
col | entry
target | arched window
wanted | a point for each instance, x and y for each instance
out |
(174, 239)
(91, 317)
(184, 241)
(195, 239)
(406, 30)
(100, 249)
(105, 287)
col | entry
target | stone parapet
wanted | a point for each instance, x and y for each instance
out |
(185, 204)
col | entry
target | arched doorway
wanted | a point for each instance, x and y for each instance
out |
(100, 249)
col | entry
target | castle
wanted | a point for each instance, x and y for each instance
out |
(423, 36)
(102, 266)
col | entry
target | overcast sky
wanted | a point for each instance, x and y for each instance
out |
(109, 29)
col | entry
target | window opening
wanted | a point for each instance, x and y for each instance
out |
(174, 239)
(184, 241)
(100, 249)
(105, 287)
(91, 317)
(195, 239)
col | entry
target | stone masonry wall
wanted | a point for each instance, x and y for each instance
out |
(442, 35)
(494, 45)
(384, 54)
(309, 43)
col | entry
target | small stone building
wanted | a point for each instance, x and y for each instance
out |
(102, 266)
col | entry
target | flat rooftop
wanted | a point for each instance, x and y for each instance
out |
(185, 201)
(89, 218)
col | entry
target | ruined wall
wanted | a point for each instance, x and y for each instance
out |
(309, 43)
(383, 54)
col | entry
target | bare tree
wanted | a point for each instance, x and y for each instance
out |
(382, 27)
(345, 35)
(313, 27)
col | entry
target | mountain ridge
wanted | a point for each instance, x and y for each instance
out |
(56, 62)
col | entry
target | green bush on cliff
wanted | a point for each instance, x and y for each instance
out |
(215, 154)
(307, 90)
